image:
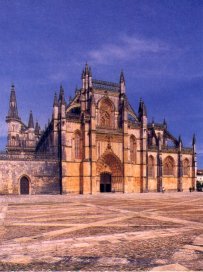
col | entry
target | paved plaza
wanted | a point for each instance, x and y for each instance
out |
(105, 232)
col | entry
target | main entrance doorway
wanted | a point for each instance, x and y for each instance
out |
(24, 186)
(105, 183)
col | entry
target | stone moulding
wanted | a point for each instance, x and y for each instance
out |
(27, 157)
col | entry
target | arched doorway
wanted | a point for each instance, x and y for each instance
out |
(24, 186)
(109, 173)
(105, 182)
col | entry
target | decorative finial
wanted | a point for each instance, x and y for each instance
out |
(179, 139)
(194, 139)
(90, 72)
(55, 104)
(164, 123)
(86, 69)
(122, 78)
(83, 74)
(31, 121)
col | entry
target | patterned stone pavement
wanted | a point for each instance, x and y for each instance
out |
(106, 232)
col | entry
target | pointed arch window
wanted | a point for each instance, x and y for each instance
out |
(151, 167)
(133, 149)
(168, 167)
(186, 167)
(78, 151)
(106, 113)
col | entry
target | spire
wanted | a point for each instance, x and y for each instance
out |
(55, 107)
(140, 106)
(13, 110)
(83, 74)
(55, 104)
(90, 72)
(194, 144)
(61, 92)
(90, 77)
(61, 96)
(122, 83)
(86, 69)
(142, 109)
(180, 140)
(165, 124)
(37, 128)
(122, 78)
(193, 140)
(31, 122)
(83, 79)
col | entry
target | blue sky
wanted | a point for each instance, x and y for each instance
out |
(158, 44)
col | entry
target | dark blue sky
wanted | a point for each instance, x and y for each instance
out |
(158, 44)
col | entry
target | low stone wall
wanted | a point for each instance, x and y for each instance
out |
(43, 176)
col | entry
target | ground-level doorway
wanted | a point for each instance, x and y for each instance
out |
(105, 183)
(24, 186)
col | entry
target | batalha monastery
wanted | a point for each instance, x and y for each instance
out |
(94, 143)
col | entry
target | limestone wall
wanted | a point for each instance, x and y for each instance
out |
(42, 175)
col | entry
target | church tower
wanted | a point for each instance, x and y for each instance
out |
(14, 122)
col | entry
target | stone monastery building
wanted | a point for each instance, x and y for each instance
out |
(94, 143)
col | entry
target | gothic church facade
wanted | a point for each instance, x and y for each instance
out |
(94, 143)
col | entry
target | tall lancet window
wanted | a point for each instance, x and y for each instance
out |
(168, 166)
(133, 149)
(78, 146)
(151, 166)
(186, 167)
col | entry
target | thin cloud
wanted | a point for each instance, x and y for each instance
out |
(127, 48)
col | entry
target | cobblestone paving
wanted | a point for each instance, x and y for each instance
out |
(106, 232)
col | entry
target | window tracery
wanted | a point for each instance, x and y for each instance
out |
(133, 149)
(168, 167)
(78, 150)
(186, 167)
(151, 166)
(106, 114)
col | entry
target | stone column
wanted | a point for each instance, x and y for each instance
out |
(93, 150)
(125, 146)
(159, 166)
(180, 172)
(143, 153)
(194, 170)
(86, 163)
(159, 171)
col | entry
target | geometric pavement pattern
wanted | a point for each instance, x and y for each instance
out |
(105, 232)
